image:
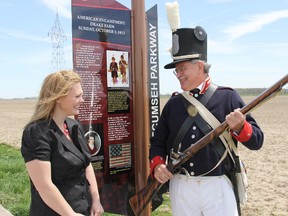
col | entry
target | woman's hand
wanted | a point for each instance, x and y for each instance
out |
(96, 209)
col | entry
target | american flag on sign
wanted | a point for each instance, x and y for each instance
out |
(120, 155)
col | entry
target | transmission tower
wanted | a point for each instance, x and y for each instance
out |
(58, 38)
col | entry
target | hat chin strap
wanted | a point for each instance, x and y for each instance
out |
(186, 56)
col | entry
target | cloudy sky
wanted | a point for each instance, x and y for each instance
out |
(247, 41)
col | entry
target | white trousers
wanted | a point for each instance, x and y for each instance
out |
(202, 196)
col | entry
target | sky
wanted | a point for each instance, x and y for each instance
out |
(247, 41)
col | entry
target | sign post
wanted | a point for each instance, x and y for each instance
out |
(140, 90)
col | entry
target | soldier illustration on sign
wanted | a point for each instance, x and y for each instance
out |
(117, 63)
(123, 67)
(114, 70)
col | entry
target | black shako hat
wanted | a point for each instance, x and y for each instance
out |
(188, 44)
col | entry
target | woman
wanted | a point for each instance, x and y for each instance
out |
(55, 152)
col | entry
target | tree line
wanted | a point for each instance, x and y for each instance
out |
(245, 91)
(256, 91)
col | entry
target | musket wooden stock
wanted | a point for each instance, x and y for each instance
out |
(141, 199)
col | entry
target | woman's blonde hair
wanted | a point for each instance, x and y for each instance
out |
(55, 86)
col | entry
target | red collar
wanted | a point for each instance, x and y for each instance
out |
(205, 85)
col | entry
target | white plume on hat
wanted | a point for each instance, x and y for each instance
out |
(172, 9)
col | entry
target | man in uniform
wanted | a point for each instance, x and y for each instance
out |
(202, 186)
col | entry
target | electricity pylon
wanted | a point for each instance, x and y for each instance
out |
(58, 38)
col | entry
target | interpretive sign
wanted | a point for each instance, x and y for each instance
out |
(102, 56)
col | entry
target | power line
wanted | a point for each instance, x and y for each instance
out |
(58, 38)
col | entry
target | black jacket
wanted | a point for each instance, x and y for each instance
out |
(223, 101)
(43, 140)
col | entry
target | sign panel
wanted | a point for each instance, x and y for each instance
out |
(102, 56)
(153, 68)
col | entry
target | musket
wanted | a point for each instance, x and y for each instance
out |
(141, 199)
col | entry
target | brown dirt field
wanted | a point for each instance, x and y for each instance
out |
(267, 168)
(14, 114)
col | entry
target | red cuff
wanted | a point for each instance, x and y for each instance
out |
(154, 162)
(245, 134)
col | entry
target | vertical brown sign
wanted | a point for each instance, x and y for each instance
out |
(102, 56)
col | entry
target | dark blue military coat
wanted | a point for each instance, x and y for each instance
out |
(46, 142)
(223, 101)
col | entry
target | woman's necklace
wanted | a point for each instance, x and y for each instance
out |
(66, 132)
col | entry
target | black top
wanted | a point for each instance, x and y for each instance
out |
(223, 101)
(43, 140)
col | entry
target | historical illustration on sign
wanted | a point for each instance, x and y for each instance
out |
(117, 68)
(93, 141)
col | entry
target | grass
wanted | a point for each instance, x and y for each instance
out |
(15, 185)
(14, 181)
(165, 208)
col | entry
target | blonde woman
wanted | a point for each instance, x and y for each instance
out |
(55, 152)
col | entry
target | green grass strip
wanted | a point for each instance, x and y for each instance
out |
(14, 181)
